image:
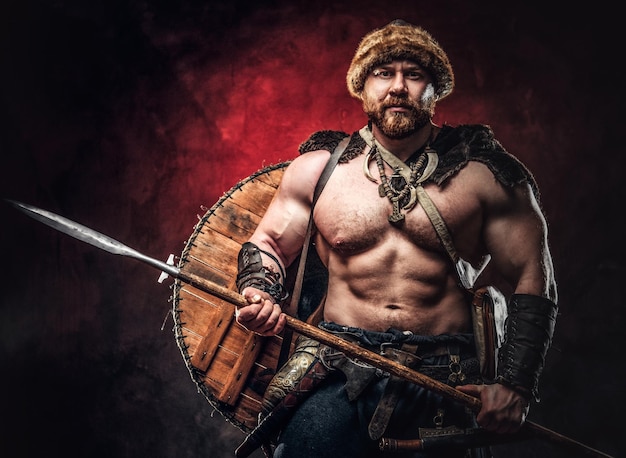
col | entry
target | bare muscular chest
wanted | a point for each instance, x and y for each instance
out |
(352, 217)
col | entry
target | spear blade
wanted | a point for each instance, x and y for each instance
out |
(104, 242)
(90, 236)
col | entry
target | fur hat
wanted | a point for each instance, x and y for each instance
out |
(400, 40)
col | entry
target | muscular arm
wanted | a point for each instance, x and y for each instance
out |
(283, 227)
(281, 233)
(515, 234)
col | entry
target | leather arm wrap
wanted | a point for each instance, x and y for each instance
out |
(528, 335)
(252, 272)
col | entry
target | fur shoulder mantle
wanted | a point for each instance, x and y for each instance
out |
(456, 146)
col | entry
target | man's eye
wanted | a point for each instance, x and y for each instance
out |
(389, 74)
(413, 76)
(382, 73)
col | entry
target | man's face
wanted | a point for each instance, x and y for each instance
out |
(399, 98)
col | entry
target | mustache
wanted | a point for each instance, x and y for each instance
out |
(399, 102)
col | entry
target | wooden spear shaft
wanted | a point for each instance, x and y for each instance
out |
(373, 358)
(348, 348)
(104, 242)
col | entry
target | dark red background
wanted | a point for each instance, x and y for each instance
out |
(134, 117)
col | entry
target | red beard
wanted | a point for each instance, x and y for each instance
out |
(397, 125)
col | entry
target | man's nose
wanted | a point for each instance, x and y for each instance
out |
(398, 84)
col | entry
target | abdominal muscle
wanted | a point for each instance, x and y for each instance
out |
(396, 286)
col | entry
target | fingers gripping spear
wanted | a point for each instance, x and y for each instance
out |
(106, 243)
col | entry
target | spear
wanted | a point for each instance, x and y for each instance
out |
(106, 243)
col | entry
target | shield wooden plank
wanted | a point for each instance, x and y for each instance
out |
(230, 365)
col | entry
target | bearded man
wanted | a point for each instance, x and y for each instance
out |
(404, 225)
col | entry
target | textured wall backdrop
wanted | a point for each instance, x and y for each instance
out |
(133, 117)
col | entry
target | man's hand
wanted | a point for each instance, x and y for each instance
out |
(503, 409)
(262, 316)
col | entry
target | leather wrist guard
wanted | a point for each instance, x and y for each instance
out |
(253, 273)
(528, 334)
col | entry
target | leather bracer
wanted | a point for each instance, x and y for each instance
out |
(253, 273)
(528, 334)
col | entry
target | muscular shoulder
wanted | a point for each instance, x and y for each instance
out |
(458, 146)
(303, 173)
(480, 179)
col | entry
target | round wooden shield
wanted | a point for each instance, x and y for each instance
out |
(230, 365)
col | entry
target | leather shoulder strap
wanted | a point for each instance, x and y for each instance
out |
(326, 173)
(466, 272)
(437, 221)
(297, 288)
(328, 170)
